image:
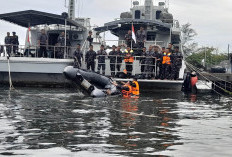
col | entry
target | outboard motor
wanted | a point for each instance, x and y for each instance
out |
(94, 84)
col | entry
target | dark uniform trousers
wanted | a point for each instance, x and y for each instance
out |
(112, 68)
(43, 51)
(149, 68)
(118, 67)
(163, 71)
(169, 72)
(129, 68)
(91, 65)
(101, 66)
(77, 63)
(8, 50)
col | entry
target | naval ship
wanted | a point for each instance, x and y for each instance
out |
(159, 24)
(26, 68)
(161, 29)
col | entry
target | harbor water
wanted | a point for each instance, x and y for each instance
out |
(64, 122)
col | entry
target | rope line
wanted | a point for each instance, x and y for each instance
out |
(9, 71)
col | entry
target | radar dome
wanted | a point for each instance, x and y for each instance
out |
(136, 3)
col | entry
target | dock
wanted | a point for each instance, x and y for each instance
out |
(222, 82)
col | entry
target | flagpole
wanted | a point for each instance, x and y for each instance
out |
(131, 34)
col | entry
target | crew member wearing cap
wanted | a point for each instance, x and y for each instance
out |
(15, 42)
(43, 43)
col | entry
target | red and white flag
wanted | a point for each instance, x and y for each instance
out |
(29, 36)
(133, 33)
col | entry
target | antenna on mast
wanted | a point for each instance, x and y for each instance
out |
(167, 4)
(71, 9)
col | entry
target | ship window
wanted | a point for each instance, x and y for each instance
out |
(158, 14)
(137, 14)
(151, 36)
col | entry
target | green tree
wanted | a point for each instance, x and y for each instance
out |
(208, 53)
(188, 35)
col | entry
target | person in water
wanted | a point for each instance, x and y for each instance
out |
(128, 89)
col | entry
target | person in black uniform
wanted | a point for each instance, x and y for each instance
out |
(149, 62)
(15, 43)
(129, 40)
(90, 57)
(112, 57)
(42, 43)
(90, 38)
(61, 43)
(8, 43)
(143, 60)
(141, 37)
(157, 60)
(101, 55)
(119, 58)
(177, 63)
(78, 56)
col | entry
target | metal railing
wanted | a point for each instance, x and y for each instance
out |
(151, 68)
(61, 52)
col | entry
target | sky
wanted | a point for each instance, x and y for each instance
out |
(212, 19)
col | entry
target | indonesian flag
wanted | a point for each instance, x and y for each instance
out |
(29, 36)
(133, 33)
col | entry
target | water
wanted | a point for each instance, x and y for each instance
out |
(63, 122)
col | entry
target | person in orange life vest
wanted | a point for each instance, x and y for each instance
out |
(166, 64)
(135, 87)
(125, 88)
(129, 59)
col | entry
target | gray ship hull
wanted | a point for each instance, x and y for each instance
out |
(45, 72)
(34, 71)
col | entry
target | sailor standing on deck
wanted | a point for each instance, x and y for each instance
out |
(8, 43)
(157, 61)
(101, 55)
(177, 63)
(141, 37)
(112, 57)
(61, 43)
(129, 59)
(78, 56)
(90, 38)
(119, 58)
(129, 40)
(143, 61)
(166, 65)
(90, 57)
(42, 43)
(149, 62)
(15, 42)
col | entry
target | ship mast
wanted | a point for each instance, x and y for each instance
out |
(71, 9)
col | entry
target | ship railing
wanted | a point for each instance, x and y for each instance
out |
(56, 52)
(118, 65)
(147, 43)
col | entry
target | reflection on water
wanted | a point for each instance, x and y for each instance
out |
(61, 122)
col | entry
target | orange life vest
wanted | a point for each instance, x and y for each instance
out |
(194, 81)
(129, 58)
(135, 90)
(167, 59)
(125, 93)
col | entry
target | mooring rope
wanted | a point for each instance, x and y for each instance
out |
(9, 71)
